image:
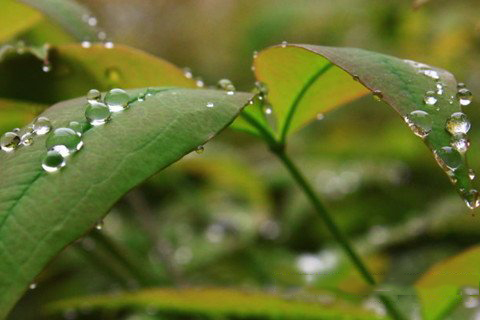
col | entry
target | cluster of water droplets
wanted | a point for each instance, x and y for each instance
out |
(187, 72)
(101, 35)
(17, 138)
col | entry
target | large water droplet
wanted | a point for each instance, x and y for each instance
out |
(464, 96)
(53, 161)
(458, 123)
(420, 122)
(9, 141)
(448, 158)
(117, 100)
(41, 126)
(460, 142)
(65, 141)
(97, 113)
(471, 198)
(226, 85)
(94, 95)
(430, 98)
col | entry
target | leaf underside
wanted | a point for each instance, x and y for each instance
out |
(41, 213)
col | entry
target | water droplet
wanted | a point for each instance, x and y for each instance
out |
(226, 85)
(86, 44)
(210, 105)
(471, 199)
(430, 98)
(65, 141)
(99, 225)
(255, 54)
(199, 82)
(32, 286)
(27, 139)
(9, 141)
(356, 77)
(431, 74)
(320, 116)
(377, 95)
(16, 130)
(439, 88)
(448, 158)
(471, 174)
(284, 44)
(187, 72)
(464, 96)
(460, 142)
(46, 67)
(117, 100)
(420, 122)
(109, 45)
(53, 161)
(77, 127)
(41, 126)
(102, 35)
(460, 85)
(94, 95)
(97, 113)
(458, 123)
(268, 110)
(92, 21)
(200, 149)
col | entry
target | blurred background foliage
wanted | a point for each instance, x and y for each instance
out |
(231, 216)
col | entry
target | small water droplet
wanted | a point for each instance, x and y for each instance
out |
(102, 35)
(210, 105)
(199, 82)
(320, 116)
(9, 141)
(226, 85)
(460, 142)
(448, 158)
(200, 149)
(284, 44)
(460, 85)
(430, 98)
(431, 74)
(471, 174)
(32, 286)
(255, 54)
(97, 113)
(46, 67)
(27, 139)
(464, 96)
(99, 225)
(117, 100)
(41, 126)
(439, 88)
(94, 95)
(268, 110)
(356, 77)
(53, 161)
(86, 44)
(65, 141)
(109, 45)
(420, 122)
(471, 198)
(187, 72)
(377, 95)
(92, 21)
(458, 123)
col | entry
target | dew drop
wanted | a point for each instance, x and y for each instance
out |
(268, 110)
(41, 126)
(65, 141)
(187, 72)
(420, 122)
(284, 44)
(93, 95)
(99, 225)
(97, 113)
(199, 82)
(448, 158)
(460, 142)
(53, 161)
(458, 123)
(430, 98)
(226, 85)
(32, 286)
(377, 95)
(210, 105)
(471, 198)
(86, 44)
(46, 67)
(109, 45)
(464, 96)
(117, 100)
(9, 141)
(471, 174)
(200, 149)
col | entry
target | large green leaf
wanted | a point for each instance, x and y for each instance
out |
(40, 213)
(16, 18)
(439, 289)
(219, 303)
(75, 70)
(304, 80)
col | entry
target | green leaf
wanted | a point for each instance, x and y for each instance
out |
(439, 289)
(40, 213)
(16, 18)
(304, 80)
(75, 70)
(219, 303)
(16, 114)
(70, 15)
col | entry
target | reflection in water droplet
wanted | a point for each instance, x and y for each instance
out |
(458, 123)
(460, 142)
(420, 122)
(97, 113)
(65, 141)
(9, 141)
(430, 98)
(53, 161)
(117, 100)
(471, 199)
(41, 126)
(200, 149)
(448, 158)
(464, 96)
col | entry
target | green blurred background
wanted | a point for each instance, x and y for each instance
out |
(232, 216)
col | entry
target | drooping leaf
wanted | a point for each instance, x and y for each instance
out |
(440, 288)
(74, 70)
(16, 18)
(219, 303)
(70, 15)
(304, 80)
(16, 114)
(40, 213)
(19, 48)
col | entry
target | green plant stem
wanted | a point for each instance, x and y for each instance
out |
(279, 151)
